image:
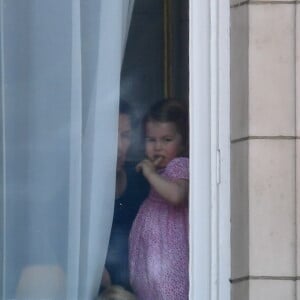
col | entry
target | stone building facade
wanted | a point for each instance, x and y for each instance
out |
(265, 149)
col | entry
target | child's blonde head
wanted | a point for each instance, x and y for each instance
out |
(116, 292)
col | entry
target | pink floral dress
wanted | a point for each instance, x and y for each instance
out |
(158, 244)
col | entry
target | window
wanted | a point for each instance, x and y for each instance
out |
(54, 64)
(210, 155)
(209, 122)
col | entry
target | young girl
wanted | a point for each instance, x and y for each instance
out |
(158, 242)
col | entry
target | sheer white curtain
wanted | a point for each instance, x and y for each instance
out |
(60, 71)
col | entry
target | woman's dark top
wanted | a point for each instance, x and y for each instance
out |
(126, 208)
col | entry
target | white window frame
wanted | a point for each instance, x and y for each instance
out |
(209, 150)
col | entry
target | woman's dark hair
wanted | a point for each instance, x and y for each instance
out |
(124, 107)
(170, 111)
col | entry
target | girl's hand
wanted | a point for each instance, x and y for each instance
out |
(147, 166)
(173, 191)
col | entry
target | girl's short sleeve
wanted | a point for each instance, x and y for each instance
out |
(178, 168)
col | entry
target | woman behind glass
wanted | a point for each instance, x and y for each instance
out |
(131, 189)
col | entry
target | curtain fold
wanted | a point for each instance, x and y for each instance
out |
(60, 77)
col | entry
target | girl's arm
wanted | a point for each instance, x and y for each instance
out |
(175, 192)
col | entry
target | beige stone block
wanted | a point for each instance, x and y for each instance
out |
(272, 290)
(240, 290)
(298, 290)
(239, 72)
(271, 70)
(272, 207)
(298, 68)
(273, 2)
(298, 142)
(239, 210)
(298, 204)
(235, 3)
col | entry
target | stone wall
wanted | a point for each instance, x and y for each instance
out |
(265, 146)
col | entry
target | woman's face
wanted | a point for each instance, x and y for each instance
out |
(124, 139)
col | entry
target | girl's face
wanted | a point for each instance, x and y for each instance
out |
(163, 141)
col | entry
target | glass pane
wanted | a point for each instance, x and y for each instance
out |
(155, 67)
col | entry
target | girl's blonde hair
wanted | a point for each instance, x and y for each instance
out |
(116, 292)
